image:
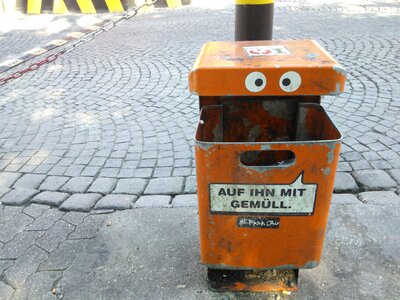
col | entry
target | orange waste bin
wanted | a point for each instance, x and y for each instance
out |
(266, 152)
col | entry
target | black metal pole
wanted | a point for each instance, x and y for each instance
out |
(254, 20)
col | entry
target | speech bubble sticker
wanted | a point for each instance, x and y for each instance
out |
(296, 198)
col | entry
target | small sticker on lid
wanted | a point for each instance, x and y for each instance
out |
(266, 50)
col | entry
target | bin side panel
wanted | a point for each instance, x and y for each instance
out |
(298, 241)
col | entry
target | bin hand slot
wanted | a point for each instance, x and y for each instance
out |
(267, 158)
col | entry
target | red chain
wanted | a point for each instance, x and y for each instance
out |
(32, 67)
(52, 57)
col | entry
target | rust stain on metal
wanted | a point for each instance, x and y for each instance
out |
(273, 280)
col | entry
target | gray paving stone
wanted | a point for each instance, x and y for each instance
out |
(43, 169)
(90, 171)
(46, 220)
(14, 223)
(26, 265)
(50, 240)
(116, 201)
(4, 265)
(182, 172)
(126, 173)
(133, 186)
(29, 181)
(74, 217)
(344, 199)
(143, 172)
(344, 182)
(344, 167)
(6, 291)
(373, 179)
(190, 185)
(103, 185)
(62, 258)
(4, 190)
(80, 202)
(380, 198)
(18, 196)
(182, 163)
(109, 172)
(189, 200)
(153, 201)
(77, 185)
(97, 161)
(13, 167)
(89, 227)
(351, 156)
(7, 179)
(395, 174)
(74, 170)
(19, 244)
(167, 185)
(113, 163)
(162, 172)
(50, 198)
(360, 165)
(35, 210)
(53, 183)
(56, 170)
(380, 165)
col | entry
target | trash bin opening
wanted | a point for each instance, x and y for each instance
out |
(265, 122)
(267, 158)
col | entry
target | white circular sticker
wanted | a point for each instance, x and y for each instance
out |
(290, 81)
(255, 82)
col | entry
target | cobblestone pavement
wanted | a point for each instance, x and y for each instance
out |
(111, 124)
(20, 32)
(115, 115)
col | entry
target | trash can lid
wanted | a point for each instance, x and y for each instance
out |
(259, 68)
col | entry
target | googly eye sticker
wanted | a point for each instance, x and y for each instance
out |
(255, 82)
(290, 81)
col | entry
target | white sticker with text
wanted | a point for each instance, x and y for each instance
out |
(296, 198)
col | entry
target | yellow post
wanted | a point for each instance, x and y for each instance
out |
(59, 7)
(114, 6)
(34, 6)
(174, 3)
(86, 6)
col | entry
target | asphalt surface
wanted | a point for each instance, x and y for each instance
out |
(110, 125)
(360, 258)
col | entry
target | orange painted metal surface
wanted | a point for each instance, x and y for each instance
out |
(262, 128)
(298, 241)
(222, 68)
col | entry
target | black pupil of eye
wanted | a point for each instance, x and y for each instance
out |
(286, 82)
(259, 82)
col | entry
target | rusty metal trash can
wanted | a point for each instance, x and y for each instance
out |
(266, 153)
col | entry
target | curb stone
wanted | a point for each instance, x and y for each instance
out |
(80, 202)
(373, 179)
(153, 201)
(18, 196)
(116, 201)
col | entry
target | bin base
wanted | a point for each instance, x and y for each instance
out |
(220, 280)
